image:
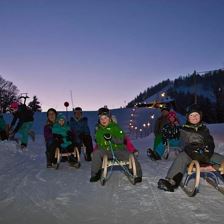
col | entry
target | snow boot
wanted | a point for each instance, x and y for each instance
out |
(96, 177)
(165, 185)
(138, 179)
(177, 179)
(72, 160)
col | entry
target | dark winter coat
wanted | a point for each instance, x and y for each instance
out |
(160, 122)
(197, 142)
(170, 131)
(48, 135)
(79, 127)
(23, 114)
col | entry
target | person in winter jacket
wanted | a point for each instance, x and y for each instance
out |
(127, 141)
(79, 126)
(25, 118)
(107, 127)
(63, 137)
(197, 144)
(159, 124)
(51, 144)
(170, 135)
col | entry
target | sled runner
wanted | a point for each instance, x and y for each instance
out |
(210, 172)
(129, 167)
(59, 154)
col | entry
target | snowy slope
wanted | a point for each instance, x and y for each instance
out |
(30, 193)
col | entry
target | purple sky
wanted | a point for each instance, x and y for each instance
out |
(106, 51)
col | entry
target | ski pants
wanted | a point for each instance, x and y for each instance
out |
(181, 162)
(160, 148)
(120, 155)
(23, 132)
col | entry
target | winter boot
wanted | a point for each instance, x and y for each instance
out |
(96, 177)
(177, 179)
(138, 179)
(72, 160)
(165, 185)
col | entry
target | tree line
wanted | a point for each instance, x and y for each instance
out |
(10, 93)
(207, 90)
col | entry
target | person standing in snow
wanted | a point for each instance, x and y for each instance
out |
(25, 118)
(197, 144)
(107, 127)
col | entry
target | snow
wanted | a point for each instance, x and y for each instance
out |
(31, 193)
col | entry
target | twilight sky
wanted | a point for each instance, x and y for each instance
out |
(106, 51)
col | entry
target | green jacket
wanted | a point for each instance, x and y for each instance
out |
(116, 133)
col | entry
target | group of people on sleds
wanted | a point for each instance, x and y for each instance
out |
(193, 138)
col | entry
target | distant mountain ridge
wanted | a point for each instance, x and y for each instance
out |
(207, 90)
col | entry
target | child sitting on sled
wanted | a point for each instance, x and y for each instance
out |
(197, 144)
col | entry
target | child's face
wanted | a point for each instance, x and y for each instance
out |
(61, 122)
(194, 118)
(104, 120)
(52, 116)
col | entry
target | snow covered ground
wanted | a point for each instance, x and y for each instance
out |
(31, 193)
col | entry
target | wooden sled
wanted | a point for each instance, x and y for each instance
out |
(59, 154)
(130, 172)
(211, 173)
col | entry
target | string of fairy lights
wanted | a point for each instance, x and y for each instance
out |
(137, 129)
(142, 129)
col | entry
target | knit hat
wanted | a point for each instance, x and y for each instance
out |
(171, 114)
(104, 111)
(61, 117)
(77, 109)
(193, 108)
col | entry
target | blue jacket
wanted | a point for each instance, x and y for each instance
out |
(79, 127)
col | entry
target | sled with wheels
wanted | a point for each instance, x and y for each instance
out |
(129, 167)
(59, 154)
(195, 171)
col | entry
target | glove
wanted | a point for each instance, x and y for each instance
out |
(198, 152)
